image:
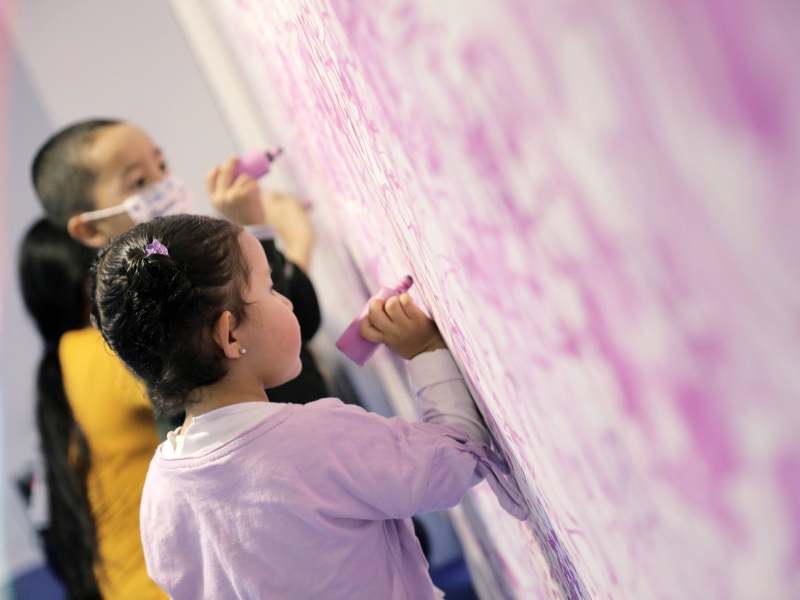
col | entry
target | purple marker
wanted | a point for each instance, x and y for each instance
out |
(256, 163)
(352, 344)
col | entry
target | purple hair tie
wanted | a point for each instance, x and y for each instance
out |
(156, 248)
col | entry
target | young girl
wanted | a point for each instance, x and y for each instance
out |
(252, 499)
(96, 428)
(99, 177)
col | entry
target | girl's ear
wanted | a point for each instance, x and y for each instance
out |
(225, 335)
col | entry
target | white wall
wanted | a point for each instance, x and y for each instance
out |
(79, 59)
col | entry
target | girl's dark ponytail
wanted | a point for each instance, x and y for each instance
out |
(156, 310)
(53, 272)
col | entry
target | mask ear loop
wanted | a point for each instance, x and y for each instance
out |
(131, 205)
(96, 215)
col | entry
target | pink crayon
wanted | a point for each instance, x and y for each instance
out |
(351, 343)
(256, 163)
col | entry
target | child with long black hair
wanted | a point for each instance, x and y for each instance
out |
(254, 499)
(95, 424)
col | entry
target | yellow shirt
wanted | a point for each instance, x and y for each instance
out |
(115, 415)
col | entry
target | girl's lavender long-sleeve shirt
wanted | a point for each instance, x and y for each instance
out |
(313, 502)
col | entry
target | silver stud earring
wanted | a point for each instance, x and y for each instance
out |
(242, 351)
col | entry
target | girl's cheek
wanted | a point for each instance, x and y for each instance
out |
(286, 302)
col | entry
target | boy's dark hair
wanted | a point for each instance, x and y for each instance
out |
(62, 183)
(53, 272)
(156, 311)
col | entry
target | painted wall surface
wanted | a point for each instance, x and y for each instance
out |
(599, 204)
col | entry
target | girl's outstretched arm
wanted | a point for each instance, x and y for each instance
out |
(378, 468)
(441, 392)
(443, 396)
(431, 472)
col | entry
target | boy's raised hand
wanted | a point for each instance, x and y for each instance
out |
(237, 200)
(289, 217)
(401, 326)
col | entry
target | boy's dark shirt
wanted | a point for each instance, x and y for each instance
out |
(290, 280)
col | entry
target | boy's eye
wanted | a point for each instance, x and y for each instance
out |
(163, 166)
(139, 183)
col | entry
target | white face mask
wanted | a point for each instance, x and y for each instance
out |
(167, 196)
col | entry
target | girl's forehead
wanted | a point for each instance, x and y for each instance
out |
(253, 252)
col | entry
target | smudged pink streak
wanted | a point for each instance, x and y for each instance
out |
(599, 201)
(787, 471)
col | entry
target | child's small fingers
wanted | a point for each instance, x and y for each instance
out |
(407, 303)
(241, 186)
(376, 305)
(251, 187)
(413, 311)
(225, 176)
(369, 332)
(377, 315)
(394, 309)
(210, 180)
(243, 179)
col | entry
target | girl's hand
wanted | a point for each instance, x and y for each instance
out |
(237, 200)
(401, 326)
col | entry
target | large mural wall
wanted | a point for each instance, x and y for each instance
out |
(599, 205)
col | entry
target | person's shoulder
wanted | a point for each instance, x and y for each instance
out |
(326, 403)
(329, 417)
(330, 420)
(80, 344)
(81, 340)
(84, 351)
(325, 407)
(156, 479)
(160, 492)
(81, 350)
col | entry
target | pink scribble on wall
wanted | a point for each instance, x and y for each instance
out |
(599, 204)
